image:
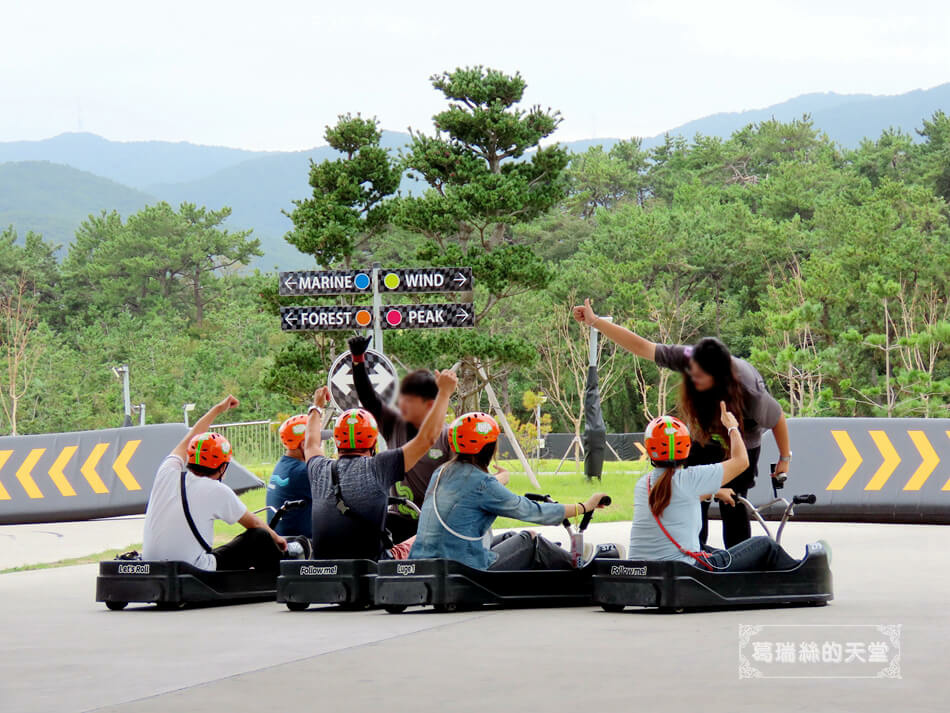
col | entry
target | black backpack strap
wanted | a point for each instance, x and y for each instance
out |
(385, 536)
(191, 522)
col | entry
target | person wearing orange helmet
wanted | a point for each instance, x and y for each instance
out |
(464, 499)
(290, 481)
(188, 496)
(712, 374)
(667, 514)
(351, 493)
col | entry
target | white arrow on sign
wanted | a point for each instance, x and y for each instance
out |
(460, 279)
(291, 282)
(380, 379)
(343, 380)
(462, 314)
(290, 318)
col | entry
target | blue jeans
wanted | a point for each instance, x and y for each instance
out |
(757, 554)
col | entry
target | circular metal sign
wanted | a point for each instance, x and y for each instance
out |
(382, 374)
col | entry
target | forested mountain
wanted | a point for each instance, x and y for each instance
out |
(825, 266)
(259, 185)
(52, 199)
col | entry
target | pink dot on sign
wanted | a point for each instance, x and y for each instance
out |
(394, 317)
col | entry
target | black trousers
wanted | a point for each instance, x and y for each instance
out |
(756, 554)
(519, 550)
(736, 527)
(252, 548)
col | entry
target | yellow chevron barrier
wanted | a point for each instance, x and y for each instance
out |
(25, 473)
(88, 468)
(946, 486)
(928, 462)
(889, 464)
(891, 459)
(121, 466)
(852, 460)
(4, 455)
(56, 471)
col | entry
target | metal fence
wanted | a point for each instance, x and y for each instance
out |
(253, 442)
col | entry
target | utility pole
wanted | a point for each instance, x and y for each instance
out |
(122, 372)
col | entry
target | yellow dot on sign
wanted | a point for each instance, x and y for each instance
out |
(391, 280)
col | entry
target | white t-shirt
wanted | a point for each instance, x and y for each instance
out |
(682, 518)
(167, 535)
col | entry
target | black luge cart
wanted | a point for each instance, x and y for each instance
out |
(678, 586)
(447, 585)
(172, 585)
(348, 583)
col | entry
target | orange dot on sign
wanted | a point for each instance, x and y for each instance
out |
(363, 317)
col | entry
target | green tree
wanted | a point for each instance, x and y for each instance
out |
(348, 205)
(483, 182)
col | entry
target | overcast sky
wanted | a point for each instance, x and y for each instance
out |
(270, 75)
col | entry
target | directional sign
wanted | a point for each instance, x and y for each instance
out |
(426, 279)
(382, 374)
(325, 318)
(326, 282)
(431, 316)
(342, 317)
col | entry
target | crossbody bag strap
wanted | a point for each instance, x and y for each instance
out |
(191, 523)
(700, 557)
(435, 509)
(385, 536)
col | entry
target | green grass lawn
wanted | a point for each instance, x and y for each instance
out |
(567, 487)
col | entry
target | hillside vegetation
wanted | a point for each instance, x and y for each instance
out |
(825, 266)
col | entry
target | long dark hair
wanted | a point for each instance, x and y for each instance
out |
(700, 409)
(661, 491)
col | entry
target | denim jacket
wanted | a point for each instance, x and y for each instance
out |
(469, 500)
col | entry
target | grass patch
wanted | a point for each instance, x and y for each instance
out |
(85, 559)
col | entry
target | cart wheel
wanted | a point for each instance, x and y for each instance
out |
(395, 608)
(446, 608)
(612, 608)
(116, 606)
(297, 606)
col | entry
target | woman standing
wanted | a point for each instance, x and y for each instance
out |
(712, 375)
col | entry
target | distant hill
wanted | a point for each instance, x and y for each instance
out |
(52, 199)
(134, 163)
(258, 190)
(259, 185)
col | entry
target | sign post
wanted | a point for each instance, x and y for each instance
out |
(382, 375)
(377, 311)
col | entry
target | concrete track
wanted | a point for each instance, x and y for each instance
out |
(65, 653)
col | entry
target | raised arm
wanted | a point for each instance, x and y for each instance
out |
(385, 415)
(738, 457)
(434, 422)
(633, 343)
(203, 424)
(312, 440)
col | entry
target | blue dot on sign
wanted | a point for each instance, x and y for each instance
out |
(361, 281)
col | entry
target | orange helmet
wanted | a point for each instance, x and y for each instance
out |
(355, 429)
(667, 440)
(293, 430)
(471, 432)
(211, 450)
